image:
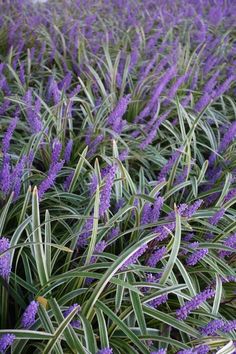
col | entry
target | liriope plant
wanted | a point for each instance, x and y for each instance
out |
(117, 177)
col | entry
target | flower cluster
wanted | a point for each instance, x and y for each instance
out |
(191, 305)
(5, 259)
(29, 315)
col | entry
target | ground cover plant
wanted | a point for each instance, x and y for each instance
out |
(118, 176)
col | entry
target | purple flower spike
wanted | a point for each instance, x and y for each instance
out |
(5, 268)
(229, 242)
(68, 150)
(212, 327)
(8, 135)
(99, 248)
(201, 349)
(68, 181)
(105, 351)
(114, 232)
(164, 231)
(33, 112)
(56, 151)
(134, 258)
(70, 309)
(106, 191)
(114, 120)
(197, 256)
(228, 137)
(156, 256)
(93, 185)
(6, 340)
(74, 323)
(191, 210)
(229, 326)
(17, 176)
(158, 301)
(160, 351)
(28, 318)
(50, 179)
(170, 163)
(5, 175)
(216, 217)
(85, 234)
(194, 303)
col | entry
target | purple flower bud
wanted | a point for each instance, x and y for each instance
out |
(106, 191)
(5, 176)
(85, 233)
(195, 257)
(170, 163)
(93, 146)
(158, 301)
(213, 220)
(156, 256)
(191, 210)
(229, 326)
(17, 176)
(68, 181)
(28, 318)
(201, 349)
(50, 179)
(153, 129)
(230, 195)
(229, 242)
(5, 266)
(114, 120)
(203, 102)
(65, 82)
(8, 135)
(53, 91)
(134, 258)
(188, 237)
(175, 86)
(99, 248)
(169, 74)
(114, 232)
(123, 155)
(191, 305)
(212, 327)
(163, 231)
(75, 91)
(68, 150)
(224, 87)
(4, 106)
(228, 137)
(74, 323)
(6, 340)
(22, 74)
(56, 151)
(181, 177)
(209, 86)
(105, 351)
(160, 351)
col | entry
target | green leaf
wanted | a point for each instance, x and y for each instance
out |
(71, 338)
(168, 319)
(37, 239)
(78, 170)
(93, 239)
(111, 272)
(217, 298)
(123, 327)
(174, 252)
(102, 329)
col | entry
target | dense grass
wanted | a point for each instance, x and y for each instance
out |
(118, 176)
